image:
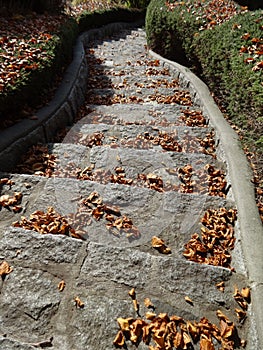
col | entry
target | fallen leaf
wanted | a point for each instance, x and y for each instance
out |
(124, 323)
(221, 286)
(119, 340)
(61, 285)
(132, 293)
(188, 300)
(159, 244)
(150, 315)
(135, 305)
(206, 344)
(79, 303)
(245, 292)
(148, 303)
(5, 269)
(241, 314)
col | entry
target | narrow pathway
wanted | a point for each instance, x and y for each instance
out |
(137, 199)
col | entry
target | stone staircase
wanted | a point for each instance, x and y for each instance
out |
(141, 161)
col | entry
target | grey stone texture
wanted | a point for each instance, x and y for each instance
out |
(102, 268)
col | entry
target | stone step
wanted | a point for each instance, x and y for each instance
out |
(177, 139)
(101, 277)
(28, 186)
(115, 216)
(174, 216)
(140, 114)
(139, 95)
(152, 168)
(104, 81)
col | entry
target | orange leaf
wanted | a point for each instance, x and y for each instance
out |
(5, 269)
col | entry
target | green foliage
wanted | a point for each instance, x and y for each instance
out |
(89, 20)
(138, 4)
(10, 7)
(163, 33)
(225, 71)
(30, 88)
(251, 4)
(215, 55)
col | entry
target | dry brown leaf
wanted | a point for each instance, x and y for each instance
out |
(79, 303)
(132, 293)
(206, 344)
(241, 314)
(240, 299)
(178, 340)
(148, 303)
(192, 329)
(245, 292)
(150, 315)
(135, 305)
(119, 339)
(124, 323)
(5, 269)
(221, 286)
(61, 285)
(159, 338)
(223, 317)
(188, 300)
(159, 244)
(136, 330)
(186, 340)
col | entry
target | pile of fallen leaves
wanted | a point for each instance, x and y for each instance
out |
(206, 181)
(207, 13)
(151, 69)
(157, 83)
(253, 50)
(216, 239)
(193, 118)
(90, 6)
(181, 97)
(95, 139)
(47, 222)
(38, 161)
(5, 269)
(168, 141)
(8, 201)
(164, 332)
(24, 45)
(94, 207)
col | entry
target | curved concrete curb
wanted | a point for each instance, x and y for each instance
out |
(240, 175)
(60, 112)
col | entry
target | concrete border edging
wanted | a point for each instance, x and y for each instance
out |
(240, 174)
(60, 111)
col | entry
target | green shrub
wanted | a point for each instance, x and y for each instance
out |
(29, 89)
(224, 68)
(20, 6)
(138, 4)
(89, 20)
(215, 53)
(163, 34)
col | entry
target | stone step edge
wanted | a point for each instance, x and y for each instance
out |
(60, 111)
(240, 174)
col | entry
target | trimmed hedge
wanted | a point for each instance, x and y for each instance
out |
(30, 88)
(89, 20)
(29, 91)
(214, 54)
(23, 6)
